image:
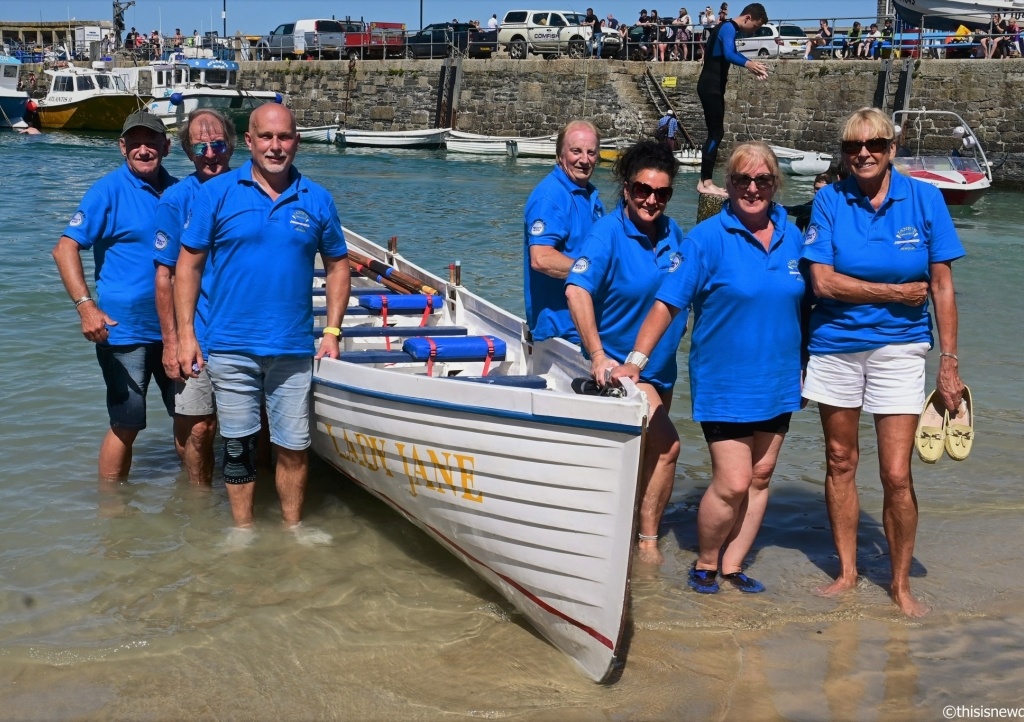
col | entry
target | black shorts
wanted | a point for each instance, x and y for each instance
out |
(729, 430)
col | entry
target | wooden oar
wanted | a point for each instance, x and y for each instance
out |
(391, 274)
(374, 276)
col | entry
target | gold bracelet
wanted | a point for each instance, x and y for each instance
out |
(950, 355)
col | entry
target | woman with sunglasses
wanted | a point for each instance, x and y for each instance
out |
(609, 289)
(741, 276)
(879, 243)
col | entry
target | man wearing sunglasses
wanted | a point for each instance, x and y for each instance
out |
(262, 226)
(558, 216)
(115, 219)
(208, 139)
(719, 53)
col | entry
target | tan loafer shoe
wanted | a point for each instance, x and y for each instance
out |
(931, 429)
(960, 429)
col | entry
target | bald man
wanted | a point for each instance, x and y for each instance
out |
(264, 223)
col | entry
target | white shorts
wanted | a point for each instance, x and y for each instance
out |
(887, 380)
(194, 397)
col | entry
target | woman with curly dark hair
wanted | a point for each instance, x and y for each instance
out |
(609, 291)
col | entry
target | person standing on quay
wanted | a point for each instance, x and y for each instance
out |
(558, 216)
(116, 220)
(208, 139)
(719, 53)
(264, 224)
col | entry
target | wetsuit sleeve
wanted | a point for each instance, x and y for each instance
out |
(547, 223)
(682, 284)
(818, 239)
(198, 227)
(727, 45)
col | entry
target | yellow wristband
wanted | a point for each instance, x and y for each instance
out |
(333, 330)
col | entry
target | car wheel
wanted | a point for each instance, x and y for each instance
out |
(762, 53)
(577, 48)
(409, 54)
(517, 50)
(354, 54)
(263, 53)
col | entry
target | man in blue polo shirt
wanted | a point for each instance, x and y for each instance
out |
(263, 224)
(558, 216)
(208, 139)
(115, 220)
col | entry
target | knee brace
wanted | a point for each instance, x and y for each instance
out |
(240, 460)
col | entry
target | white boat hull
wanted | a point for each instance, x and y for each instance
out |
(318, 134)
(535, 490)
(801, 163)
(432, 138)
(949, 14)
(236, 103)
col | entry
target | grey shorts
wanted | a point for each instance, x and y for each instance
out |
(194, 397)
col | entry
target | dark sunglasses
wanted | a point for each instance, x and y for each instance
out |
(642, 191)
(218, 146)
(742, 181)
(875, 145)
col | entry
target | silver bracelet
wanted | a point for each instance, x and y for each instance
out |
(83, 299)
(950, 355)
(647, 537)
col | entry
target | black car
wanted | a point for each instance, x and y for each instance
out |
(443, 40)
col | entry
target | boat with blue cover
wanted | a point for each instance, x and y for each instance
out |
(442, 406)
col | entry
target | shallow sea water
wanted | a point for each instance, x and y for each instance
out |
(138, 603)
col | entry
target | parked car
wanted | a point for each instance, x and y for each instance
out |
(544, 32)
(773, 41)
(442, 40)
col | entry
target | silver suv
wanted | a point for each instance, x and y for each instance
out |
(544, 32)
(773, 41)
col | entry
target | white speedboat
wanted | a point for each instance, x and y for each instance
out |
(87, 99)
(429, 138)
(177, 88)
(950, 14)
(801, 162)
(12, 100)
(445, 410)
(939, 148)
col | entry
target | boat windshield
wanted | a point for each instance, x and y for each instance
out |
(105, 82)
(938, 163)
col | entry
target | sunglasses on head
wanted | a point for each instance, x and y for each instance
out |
(875, 145)
(642, 191)
(217, 146)
(742, 181)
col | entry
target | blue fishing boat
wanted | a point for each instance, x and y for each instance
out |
(12, 100)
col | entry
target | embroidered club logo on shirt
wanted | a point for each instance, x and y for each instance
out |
(188, 219)
(77, 219)
(794, 267)
(907, 238)
(812, 235)
(161, 240)
(537, 228)
(676, 260)
(581, 265)
(300, 219)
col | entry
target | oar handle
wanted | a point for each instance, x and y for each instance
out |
(391, 274)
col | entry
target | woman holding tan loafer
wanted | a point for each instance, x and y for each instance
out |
(879, 244)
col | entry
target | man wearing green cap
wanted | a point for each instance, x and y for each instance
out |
(116, 220)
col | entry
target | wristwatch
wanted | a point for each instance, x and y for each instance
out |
(637, 359)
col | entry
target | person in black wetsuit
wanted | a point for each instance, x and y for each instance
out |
(719, 53)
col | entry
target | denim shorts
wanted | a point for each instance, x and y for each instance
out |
(127, 371)
(242, 381)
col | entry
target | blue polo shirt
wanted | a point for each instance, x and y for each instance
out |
(116, 220)
(171, 213)
(895, 244)
(261, 258)
(622, 271)
(745, 347)
(558, 214)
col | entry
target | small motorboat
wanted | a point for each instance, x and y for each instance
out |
(939, 148)
(801, 162)
(950, 14)
(176, 88)
(87, 99)
(429, 138)
(443, 407)
(12, 101)
(318, 133)
(475, 144)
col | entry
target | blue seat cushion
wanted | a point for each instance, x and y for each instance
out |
(400, 302)
(454, 348)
